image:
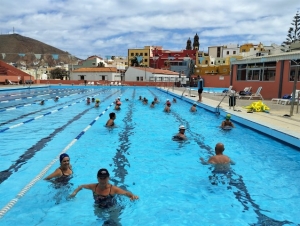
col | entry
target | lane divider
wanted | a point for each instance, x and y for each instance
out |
(29, 97)
(40, 116)
(11, 203)
(14, 108)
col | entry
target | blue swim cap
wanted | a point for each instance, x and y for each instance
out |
(62, 156)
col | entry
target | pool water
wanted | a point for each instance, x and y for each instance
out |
(212, 89)
(173, 186)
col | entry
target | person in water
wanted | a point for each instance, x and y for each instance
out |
(88, 101)
(194, 107)
(111, 120)
(56, 98)
(97, 104)
(221, 162)
(93, 99)
(152, 104)
(65, 169)
(156, 100)
(168, 106)
(103, 191)
(174, 100)
(180, 135)
(42, 102)
(118, 105)
(227, 122)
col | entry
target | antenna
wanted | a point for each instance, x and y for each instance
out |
(13, 30)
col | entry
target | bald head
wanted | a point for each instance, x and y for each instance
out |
(219, 148)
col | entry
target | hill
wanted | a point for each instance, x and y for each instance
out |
(14, 44)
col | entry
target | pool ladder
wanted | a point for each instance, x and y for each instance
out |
(186, 88)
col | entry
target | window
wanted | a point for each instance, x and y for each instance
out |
(234, 52)
(136, 54)
(146, 54)
(132, 54)
(256, 72)
(93, 63)
(243, 50)
(142, 79)
(146, 60)
(141, 54)
(103, 77)
(223, 61)
(293, 71)
(227, 52)
(138, 78)
(206, 62)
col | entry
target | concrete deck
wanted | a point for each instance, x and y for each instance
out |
(274, 123)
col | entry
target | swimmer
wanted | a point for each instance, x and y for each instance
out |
(111, 121)
(97, 104)
(152, 104)
(167, 107)
(65, 169)
(140, 98)
(103, 191)
(220, 161)
(180, 135)
(88, 101)
(42, 102)
(56, 98)
(174, 100)
(93, 99)
(156, 100)
(227, 123)
(145, 101)
(118, 105)
(194, 107)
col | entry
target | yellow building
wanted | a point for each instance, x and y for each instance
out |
(144, 53)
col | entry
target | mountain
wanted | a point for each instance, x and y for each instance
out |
(14, 44)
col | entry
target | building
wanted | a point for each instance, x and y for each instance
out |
(274, 73)
(141, 74)
(137, 57)
(92, 61)
(96, 74)
(13, 74)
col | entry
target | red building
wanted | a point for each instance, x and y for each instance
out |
(164, 59)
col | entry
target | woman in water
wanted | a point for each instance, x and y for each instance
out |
(103, 191)
(65, 169)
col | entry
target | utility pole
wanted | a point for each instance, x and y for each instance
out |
(294, 88)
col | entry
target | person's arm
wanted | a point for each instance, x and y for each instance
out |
(86, 186)
(232, 125)
(209, 161)
(232, 162)
(223, 124)
(56, 173)
(109, 122)
(120, 191)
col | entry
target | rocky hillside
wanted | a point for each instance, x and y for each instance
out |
(12, 45)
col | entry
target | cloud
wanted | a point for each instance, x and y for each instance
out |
(91, 27)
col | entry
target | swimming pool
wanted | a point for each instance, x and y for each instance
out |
(174, 188)
(211, 89)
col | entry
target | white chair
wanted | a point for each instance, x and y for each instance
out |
(12, 83)
(224, 93)
(254, 95)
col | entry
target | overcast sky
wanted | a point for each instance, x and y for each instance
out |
(110, 27)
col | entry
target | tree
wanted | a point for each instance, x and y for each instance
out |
(134, 62)
(294, 32)
(101, 64)
(58, 73)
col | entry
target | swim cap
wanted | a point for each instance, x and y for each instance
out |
(103, 173)
(62, 156)
(195, 104)
(228, 116)
(181, 127)
(97, 100)
(118, 103)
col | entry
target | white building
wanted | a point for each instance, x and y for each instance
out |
(150, 74)
(96, 74)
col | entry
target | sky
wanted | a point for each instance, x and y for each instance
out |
(111, 27)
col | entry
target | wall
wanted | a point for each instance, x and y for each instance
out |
(214, 81)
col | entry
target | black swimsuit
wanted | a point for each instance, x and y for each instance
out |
(104, 201)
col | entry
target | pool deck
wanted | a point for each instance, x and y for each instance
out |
(274, 123)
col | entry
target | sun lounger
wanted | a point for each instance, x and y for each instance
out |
(12, 83)
(254, 95)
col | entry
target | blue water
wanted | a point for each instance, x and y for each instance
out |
(212, 89)
(174, 188)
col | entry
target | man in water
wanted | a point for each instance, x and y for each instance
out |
(221, 162)
(194, 107)
(227, 123)
(180, 135)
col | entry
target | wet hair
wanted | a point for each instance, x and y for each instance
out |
(62, 156)
(112, 115)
